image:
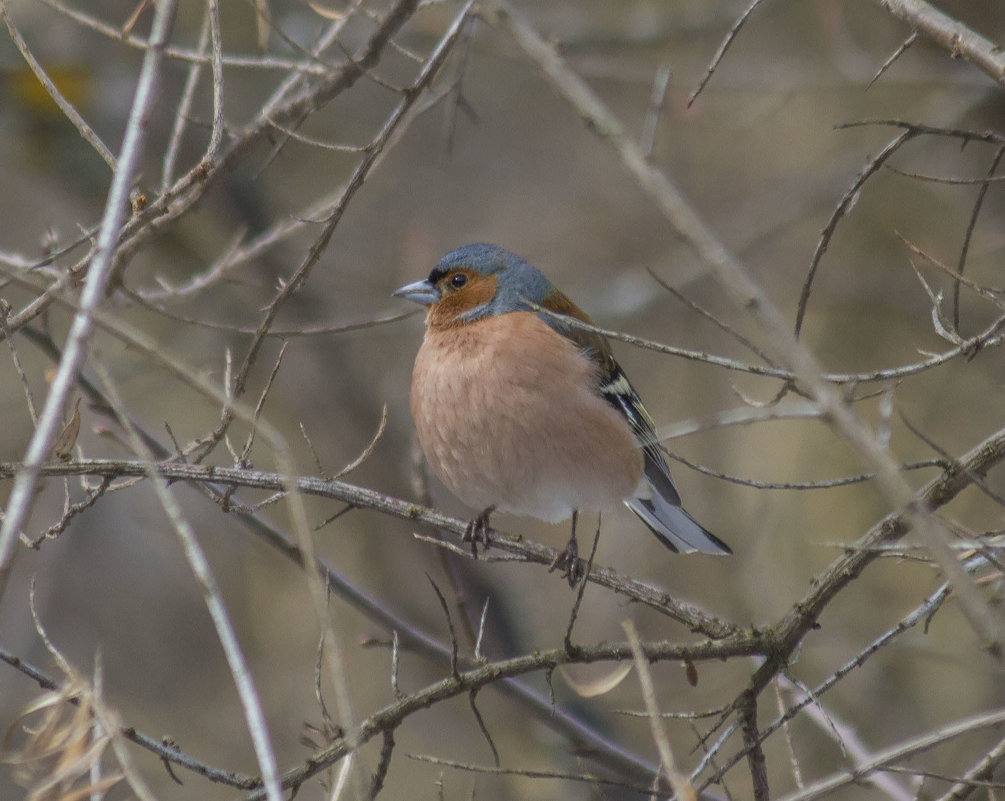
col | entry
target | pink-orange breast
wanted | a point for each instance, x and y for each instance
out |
(508, 412)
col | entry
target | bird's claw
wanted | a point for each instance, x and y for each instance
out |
(569, 563)
(478, 529)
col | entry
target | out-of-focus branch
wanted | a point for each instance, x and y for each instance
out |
(953, 35)
(981, 772)
(826, 585)
(897, 753)
(178, 199)
(251, 704)
(371, 155)
(71, 113)
(737, 282)
(95, 285)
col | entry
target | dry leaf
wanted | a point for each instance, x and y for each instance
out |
(63, 445)
(327, 13)
(599, 686)
(52, 746)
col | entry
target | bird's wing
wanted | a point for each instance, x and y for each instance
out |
(661, 511)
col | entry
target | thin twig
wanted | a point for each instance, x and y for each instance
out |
(365, 453)
(250, 702)
(722, 325)
(910, 40)
(16, 359)
(680, 782)
(65, 105)
(843, 207)
(482, 727)
(897, 753)
(243, 458)
(184, 109)
(94, 288)
(992, 336)
(582, 589)
(983, 770)
(968, 237)
(721, 52)
(450, 626)
(750, 296)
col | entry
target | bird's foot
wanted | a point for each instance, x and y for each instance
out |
(568, 562)
(478, 529)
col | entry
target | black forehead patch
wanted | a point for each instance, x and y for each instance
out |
(437, 274)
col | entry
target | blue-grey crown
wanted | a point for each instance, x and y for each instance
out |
(518, 280)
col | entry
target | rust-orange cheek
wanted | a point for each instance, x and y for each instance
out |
(479, 289)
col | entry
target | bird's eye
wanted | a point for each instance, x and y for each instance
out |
(457, 280)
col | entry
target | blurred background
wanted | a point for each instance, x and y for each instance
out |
(502, 158)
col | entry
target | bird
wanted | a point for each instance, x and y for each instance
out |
(518, 410)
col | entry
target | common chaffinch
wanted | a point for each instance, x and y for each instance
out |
(520, 412)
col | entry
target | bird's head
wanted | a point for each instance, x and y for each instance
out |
(475, 282)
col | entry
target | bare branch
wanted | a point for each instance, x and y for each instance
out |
(94, 288)
(910, 40)
(475, 679)
(680, 782)
(65, 105)
(252, 706)
(843, 207)
(181, 117)
(951, 34)
(978, 205)
(748, 295)
(897, 753)
(721, 52)
(981, 772)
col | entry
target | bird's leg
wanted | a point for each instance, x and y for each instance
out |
(568, 559)
(477, 530)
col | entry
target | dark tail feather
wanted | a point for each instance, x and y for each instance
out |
(674, 527)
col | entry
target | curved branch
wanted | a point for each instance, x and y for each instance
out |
(465, 682)
(691, 616)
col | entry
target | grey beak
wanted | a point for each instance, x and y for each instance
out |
(421, 292)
